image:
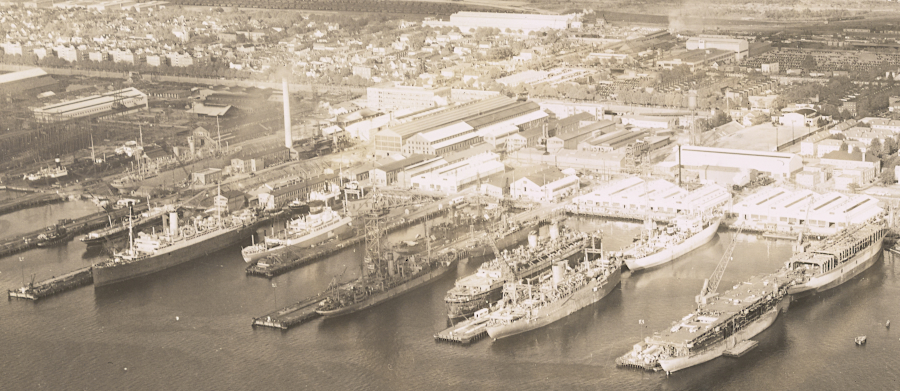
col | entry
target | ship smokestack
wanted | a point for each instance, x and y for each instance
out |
(173, 223)
(58, 164)
(554, 231)
(288, 143)
(559, 271)
(532, 240)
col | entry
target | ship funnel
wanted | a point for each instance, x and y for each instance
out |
(559, 271)
(532, 240)
(57, 163)
(173, 223)
(554, 231)
(165, 224)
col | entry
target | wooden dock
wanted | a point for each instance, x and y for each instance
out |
(464, 332)
(740, 349)
(290, 316)
(29, 201)
(54, 285)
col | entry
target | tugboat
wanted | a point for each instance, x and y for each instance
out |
(56, 236)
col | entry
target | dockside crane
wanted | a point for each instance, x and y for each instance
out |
(711, 284)
(382, 203)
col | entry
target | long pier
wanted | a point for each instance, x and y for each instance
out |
(74, 227)
(29, 201)
(464, 332)
(291, 315)
(53, 285)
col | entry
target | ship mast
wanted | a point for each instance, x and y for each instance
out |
(131, 228)
(93, 156)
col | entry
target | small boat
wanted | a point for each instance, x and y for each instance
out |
(888, 324)
(861, 340)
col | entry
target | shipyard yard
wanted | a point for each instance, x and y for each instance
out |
(405, 195)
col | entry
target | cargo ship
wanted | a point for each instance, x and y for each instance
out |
(838, 259)
(476, 291)
(319, 225)
(150, 253)
(721, 324)
(658, 246)
(553, 295)
(152, 216)
(386, 280)
(50, 173)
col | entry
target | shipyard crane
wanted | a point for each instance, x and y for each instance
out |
(712, 283)
(382, 203)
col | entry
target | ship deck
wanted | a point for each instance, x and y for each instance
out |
(833, 247)
(721, 308)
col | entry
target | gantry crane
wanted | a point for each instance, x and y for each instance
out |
(712, 283)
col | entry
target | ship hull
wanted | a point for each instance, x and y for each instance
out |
(309, 240)
(126, 271)
(672, 253)
(852, 268)
(467, 308)
(390, 294)
(752, 330)
(587, 295)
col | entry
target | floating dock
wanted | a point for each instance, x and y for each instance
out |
(464, 332)
(54, 285)
(741, 348)
(290, 316)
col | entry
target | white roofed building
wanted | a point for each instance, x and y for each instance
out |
(784, 210)
(452, 177)
(452, 137)
(633, 195)
(777, 164)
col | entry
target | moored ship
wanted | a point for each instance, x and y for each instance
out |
(150, 253)
(485, 286)
(319, 225)
(838, 259)
(721, 324)
(661, 245)
(399, 275)
(152, 216)
(49, 173)
(554, 295)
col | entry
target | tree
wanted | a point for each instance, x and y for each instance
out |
(875, 147)
(890, 146)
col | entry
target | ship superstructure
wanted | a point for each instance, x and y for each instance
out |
(320, 224)
(485, 286)
(659, 245)
(149, 217)
(553, 295)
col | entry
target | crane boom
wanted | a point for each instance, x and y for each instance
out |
(712, 283)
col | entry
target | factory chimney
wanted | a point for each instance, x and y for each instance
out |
(287, 114)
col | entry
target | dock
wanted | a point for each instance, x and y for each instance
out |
(53, 285)
(464, 332)
(740, 349)
(29, 201)
(82, 225)
(290, 316)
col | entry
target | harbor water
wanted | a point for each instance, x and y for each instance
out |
(189, 328)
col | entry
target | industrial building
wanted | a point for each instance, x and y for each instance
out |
(783, 210)
(497, 134)
(468, 22)
(650, 122)
(117, 102)
(776, 164)
(546, 185)
(388, 174)
(698, 58)
(30, 81)
(279, 197)
(451, 178)
(739, 47)
(571, 139)
(452, 137)
(392, 139)
(208, 176)
(253, 161)
(604, 163)
(635, 195)
(390, 98)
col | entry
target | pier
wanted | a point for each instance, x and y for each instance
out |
(464, 332)
(29, 201)
(53, 285)
(27, 241)
(291, 315)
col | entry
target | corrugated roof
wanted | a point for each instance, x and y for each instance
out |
(417, 158)
(504, 113)
(446, 131)
(450, 115)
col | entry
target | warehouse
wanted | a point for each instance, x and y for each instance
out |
(635, 195)
(31, 81)
(777, 164)
(780, 209)
(111, 103)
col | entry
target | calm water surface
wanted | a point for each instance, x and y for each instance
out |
(127, 336)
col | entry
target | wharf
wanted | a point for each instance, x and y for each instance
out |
(53, 285)
(27, 241)
(618, 214)
(29, 201)
(464, 332)
(291, 315)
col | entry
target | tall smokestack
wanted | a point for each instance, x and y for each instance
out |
(287, 114)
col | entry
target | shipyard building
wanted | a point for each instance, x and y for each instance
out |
(635, 195)
(784, 210)
(117, 102)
